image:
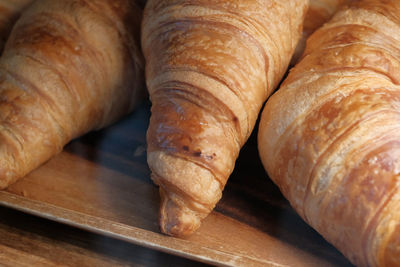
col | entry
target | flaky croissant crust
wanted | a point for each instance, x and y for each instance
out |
(69, 66)
(210, 65)
(330, 137)
(319, 12)
(10, 10)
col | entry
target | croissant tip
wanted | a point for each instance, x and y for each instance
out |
(178, 228)
(177, 220)
(6, 178)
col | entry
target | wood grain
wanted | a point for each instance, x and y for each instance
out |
(26, 240)
(101, 183)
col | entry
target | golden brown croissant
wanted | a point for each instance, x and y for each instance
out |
(210, 65)
(330, 137)
(69, 66)
(319, 12)
(10, 10)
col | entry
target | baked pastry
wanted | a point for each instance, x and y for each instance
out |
(210, 65)
(319, 12)
(68, 67)
(10, 10)
(330, 137)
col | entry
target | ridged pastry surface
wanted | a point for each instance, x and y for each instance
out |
(10, 10)
(210, 65)
(318, 13)
(330, 137)
(68, 67)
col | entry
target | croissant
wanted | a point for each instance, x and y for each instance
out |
(68, 67)
(9, 12)
(210, 65)
(330, 137)
(319, 12)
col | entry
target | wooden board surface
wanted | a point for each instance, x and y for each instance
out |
(27, 240)
(101, 183)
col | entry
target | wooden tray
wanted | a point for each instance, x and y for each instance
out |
(101, 183)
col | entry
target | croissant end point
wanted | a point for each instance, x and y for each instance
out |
(6, 178)
(176, 220)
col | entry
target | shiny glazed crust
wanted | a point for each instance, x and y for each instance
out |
(69, 66)
(330, 137)
(210, 65)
